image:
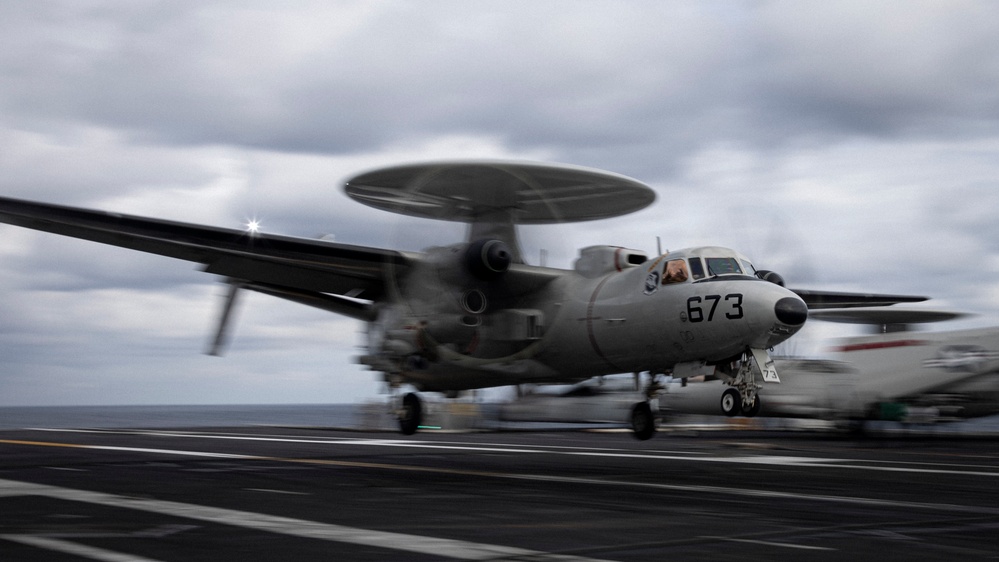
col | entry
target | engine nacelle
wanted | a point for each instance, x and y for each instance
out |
(771, 276)
(487, 259)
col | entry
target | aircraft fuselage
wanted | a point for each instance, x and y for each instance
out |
(624, 317)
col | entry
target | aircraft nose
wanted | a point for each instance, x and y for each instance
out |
(791, 311)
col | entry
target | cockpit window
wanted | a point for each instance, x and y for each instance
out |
(748, 268)
(723, 266)
(675, 271)
(696, 268)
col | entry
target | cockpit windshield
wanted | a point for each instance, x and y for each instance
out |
(696, 268)
(722, 266)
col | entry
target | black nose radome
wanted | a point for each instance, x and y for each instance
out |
(792, 311)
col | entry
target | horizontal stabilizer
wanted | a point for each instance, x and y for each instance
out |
(886, 320)
(818, 300)
(880, 316)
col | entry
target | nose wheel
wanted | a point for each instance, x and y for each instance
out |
(742, 396)
(731, 402)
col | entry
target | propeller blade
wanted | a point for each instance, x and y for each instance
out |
(222, 332)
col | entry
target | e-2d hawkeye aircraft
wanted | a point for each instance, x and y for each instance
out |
(474, 314)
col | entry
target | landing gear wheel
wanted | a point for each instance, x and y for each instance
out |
(410, 414)
(731, 402)
(643, 423)
(754, 409)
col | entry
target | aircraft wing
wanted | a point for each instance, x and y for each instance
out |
(283, 263)
(817, 300)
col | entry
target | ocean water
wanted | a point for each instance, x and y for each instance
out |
(350, 416)
(377, 416)
(368, 416)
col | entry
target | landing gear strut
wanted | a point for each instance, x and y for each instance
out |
(643, 414)
(410, 413)
(743, 395)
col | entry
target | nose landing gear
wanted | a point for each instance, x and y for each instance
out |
(743, 395)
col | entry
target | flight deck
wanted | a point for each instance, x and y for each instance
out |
(262, 493)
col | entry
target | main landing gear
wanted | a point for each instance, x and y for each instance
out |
(643, 421)
(410, 413)
(643, 414)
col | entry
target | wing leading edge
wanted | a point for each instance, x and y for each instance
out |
(307, 271)
(285, 265)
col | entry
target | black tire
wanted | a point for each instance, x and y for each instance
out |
(643, 423)
(755, 408)
(731, 402)
(411, 414)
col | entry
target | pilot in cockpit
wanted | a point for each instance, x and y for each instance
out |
(675, 272)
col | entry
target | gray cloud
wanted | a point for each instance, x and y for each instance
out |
(849, 145)
(344, 78)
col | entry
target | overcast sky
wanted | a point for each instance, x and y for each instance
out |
(847, 145)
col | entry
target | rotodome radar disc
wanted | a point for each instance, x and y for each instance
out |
(522, 192)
